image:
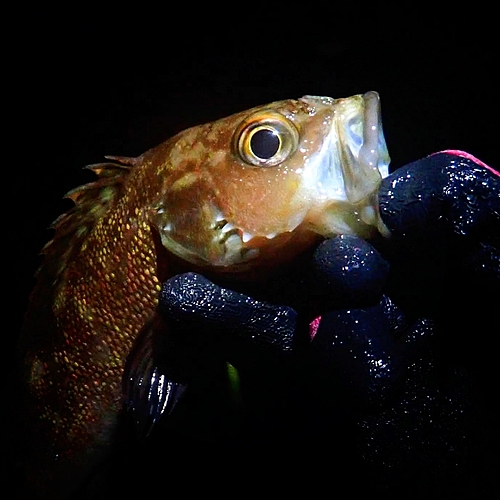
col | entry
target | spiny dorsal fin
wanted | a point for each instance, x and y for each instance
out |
(92, 200)
(71, 229)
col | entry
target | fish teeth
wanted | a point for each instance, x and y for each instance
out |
(235, 252)
(245, 237)
(227, 227)
(234, 242)
(220, 216)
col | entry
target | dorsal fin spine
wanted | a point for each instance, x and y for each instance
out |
(91, 201)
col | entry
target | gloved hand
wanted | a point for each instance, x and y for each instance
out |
(383, 357)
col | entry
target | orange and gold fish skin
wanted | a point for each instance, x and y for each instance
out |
(237, 196)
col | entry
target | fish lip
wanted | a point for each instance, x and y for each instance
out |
(349, 169)
(364, 156)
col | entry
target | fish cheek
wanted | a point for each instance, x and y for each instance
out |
(187, 222)
(259, 200)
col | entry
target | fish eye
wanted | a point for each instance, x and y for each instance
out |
(265, 139)
(264, 142)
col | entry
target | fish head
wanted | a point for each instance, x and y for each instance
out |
(259, 187)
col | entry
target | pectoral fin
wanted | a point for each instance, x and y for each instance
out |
(150, 391)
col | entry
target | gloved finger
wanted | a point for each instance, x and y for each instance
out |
(361, 356)
(448, 191)
(345, 271)
(443, 213)
(190, 302)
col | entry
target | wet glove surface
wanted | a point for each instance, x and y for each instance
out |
(444, 215)
(384, 381)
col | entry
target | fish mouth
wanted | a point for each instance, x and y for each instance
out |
(221, 245)
(349, 169)
(233, 241)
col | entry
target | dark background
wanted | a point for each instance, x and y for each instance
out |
(84, 84)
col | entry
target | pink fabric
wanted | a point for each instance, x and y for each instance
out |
(313, 327)
(463, 154)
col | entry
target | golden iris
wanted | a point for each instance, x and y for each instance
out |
(265, 139)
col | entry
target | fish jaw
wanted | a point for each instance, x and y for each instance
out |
(345, 174)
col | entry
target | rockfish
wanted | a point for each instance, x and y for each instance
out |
(236, 197)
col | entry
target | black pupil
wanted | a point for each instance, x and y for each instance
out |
(264, 144)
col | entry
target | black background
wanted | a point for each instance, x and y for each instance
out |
(84, 84)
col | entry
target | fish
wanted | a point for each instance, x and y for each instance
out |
(238, 197)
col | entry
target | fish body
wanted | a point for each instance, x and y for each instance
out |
(237, 196)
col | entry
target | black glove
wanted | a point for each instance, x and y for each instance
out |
(444, 216)
(387, 364)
